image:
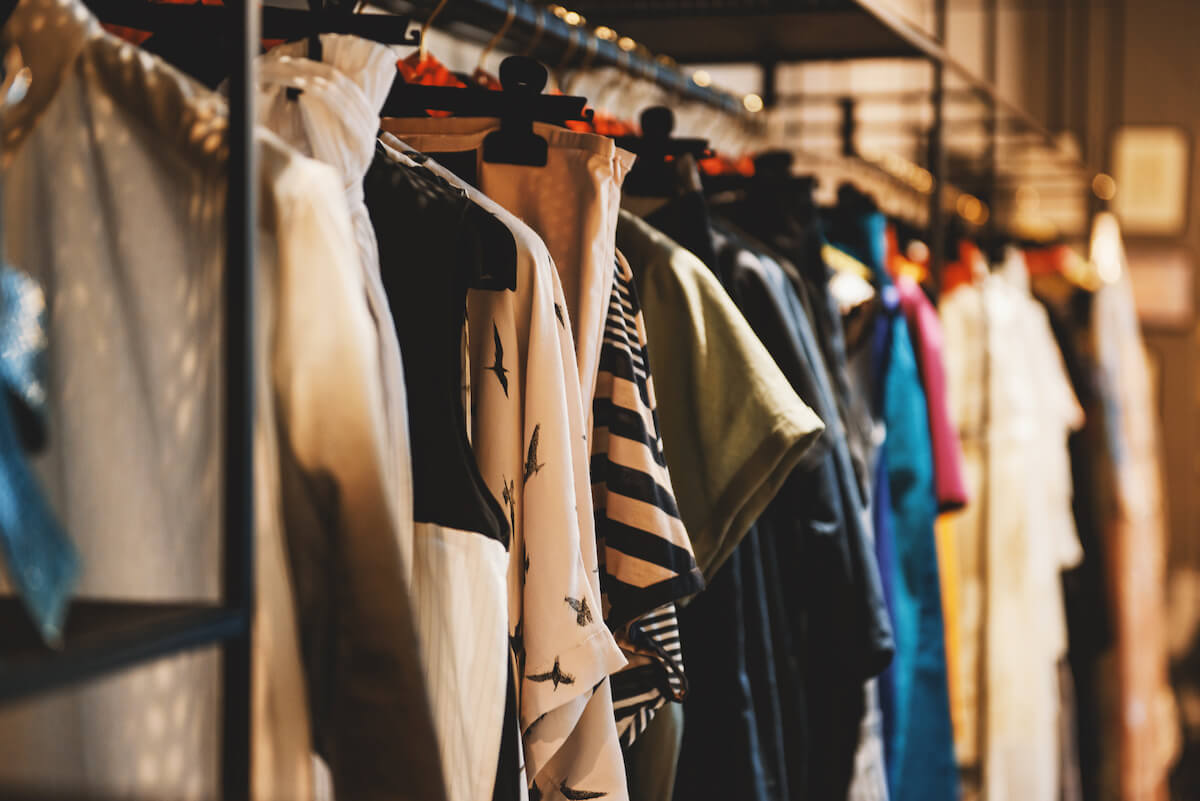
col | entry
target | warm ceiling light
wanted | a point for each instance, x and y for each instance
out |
(605, 33)
(971, 208)
(573, 18)
(752, 102)
(558, 11)
(626, 44)
(1104, 186)
(923, 181)
(701, 78)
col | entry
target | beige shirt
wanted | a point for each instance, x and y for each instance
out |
(571, 203)
(114, 202)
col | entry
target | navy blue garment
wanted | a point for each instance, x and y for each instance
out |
(846, 636)
(723, 754)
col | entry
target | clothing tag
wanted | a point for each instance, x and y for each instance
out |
(463, 163)
(40, 559)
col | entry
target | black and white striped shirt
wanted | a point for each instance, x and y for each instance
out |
(646, 556)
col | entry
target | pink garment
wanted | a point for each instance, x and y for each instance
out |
(925, 329)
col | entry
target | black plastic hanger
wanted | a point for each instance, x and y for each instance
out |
(654, 173)
(518, 106)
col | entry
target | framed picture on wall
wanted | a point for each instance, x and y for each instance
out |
(1151, 168)
(1163, 280)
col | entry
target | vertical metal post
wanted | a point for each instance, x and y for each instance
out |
(770, 78)
(849, 129)
(241, 207)
(937, 153)
(991, 69)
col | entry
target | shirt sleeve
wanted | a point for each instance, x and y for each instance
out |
(925, 330)
(733, 428)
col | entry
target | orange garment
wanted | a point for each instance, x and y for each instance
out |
(962, 271)
(427, 71)
(725, 165)
(947, 554)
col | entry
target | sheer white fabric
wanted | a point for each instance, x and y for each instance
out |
(1015, 408)
(114, 201)
(335, 119)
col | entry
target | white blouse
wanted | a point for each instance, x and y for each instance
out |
(1014, 407)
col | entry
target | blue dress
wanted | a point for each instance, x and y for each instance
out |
(918, 738)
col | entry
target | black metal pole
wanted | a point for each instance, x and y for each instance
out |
(991, 67)
(241, 207)
(937, 154)
(849, 126)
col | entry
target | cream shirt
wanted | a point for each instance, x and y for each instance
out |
(1014, 407)
(114, 200)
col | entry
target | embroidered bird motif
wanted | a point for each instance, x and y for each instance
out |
(498, 361)
(558, 312)
(525, 551)
(583, 615)
(509, 497)
(578, 795)
(556, 675)
(516, 641)
(531, 463)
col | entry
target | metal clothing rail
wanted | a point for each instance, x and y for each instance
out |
(572, 45)
(774, 32)
(102, 637)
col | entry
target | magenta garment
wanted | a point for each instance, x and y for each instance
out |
(925, 330)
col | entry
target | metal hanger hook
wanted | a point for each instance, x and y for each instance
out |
(510, 17)
(423, 49)
(539, 28)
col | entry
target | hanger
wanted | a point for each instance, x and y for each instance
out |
(277, 23)
(654, 173)
(589, 56)
(516, 143)
(539, 28)
(518, 106)
(481, 77)
(423, 47)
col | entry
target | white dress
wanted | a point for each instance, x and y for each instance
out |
(1014, 406)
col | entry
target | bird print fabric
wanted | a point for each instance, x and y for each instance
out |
(530, 445)
(498, 361)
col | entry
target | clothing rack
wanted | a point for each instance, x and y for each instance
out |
(554, 40)
(774, 32)
(105, 636)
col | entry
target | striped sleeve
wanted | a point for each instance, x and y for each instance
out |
(647, 559)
